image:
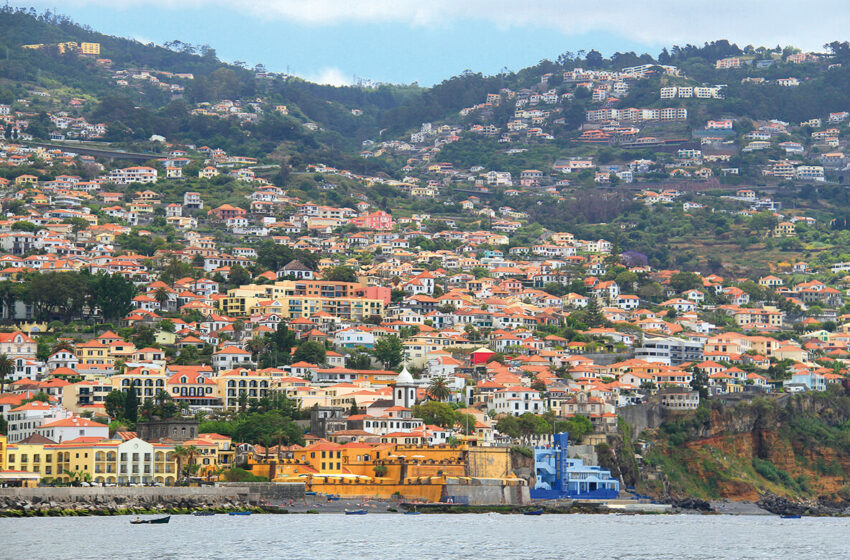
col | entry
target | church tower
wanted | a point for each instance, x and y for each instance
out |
(404, 392)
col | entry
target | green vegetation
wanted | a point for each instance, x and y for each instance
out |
(809, 436)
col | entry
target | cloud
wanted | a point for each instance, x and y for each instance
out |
(654, 22)
(330, 76)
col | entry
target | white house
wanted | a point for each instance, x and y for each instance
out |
(516, 401)
(353, 338)
(74, 427)
(23, 420)
(231, 357)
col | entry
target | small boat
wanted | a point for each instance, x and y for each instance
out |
(156, 521)
(533, 512)
(239, 513)
(202, 513)
(413, 512)
(356, 512)
(790, 516)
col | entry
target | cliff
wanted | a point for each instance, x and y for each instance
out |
(794, 447)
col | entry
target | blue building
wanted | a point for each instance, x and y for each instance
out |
(558, 476)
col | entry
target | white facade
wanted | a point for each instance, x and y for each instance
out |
(516, 401)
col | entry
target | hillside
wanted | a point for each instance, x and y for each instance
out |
(164, 112)
(794, 446)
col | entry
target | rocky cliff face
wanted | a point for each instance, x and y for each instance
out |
(793, 447)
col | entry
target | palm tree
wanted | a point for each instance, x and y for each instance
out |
(191, 453)
(439, 389)
(161, 296)
(7, 366)
(215, 472)
(238, 327)
(180, 453)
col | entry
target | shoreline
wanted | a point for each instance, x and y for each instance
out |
(750, 509)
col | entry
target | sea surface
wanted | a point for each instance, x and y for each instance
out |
(426, 536)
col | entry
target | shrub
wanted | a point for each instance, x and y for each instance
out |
(522, 450)
(241, 475)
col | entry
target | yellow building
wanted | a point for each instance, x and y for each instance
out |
(106, 461)
(387, 470)
(147, 380)
(232, 383)
(94, 353)
(214, 452)
(90, 48)
(86, 395)
(303, 298)
(2, 453)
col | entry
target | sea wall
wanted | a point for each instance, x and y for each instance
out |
(486, 492)
(227, 496)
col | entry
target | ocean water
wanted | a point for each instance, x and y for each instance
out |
(396, 537)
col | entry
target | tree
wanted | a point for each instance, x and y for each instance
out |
(359, 360)
(311, 352)
(509, 426)
(339, 274)
(239, 276)
(131, 405)
(439, 389)
(191, 453)
(25, 226)
(180, 453)
(112, 294)
(699, 382)
(161, 296)
(144, 336)
(437, 413)
(577, 427)
(7, 366)
(684, 281)
(278, 347)
(238, 328)
(114, 403)
(389, 350)
(533, 425)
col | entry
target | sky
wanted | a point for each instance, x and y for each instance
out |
(427, 41)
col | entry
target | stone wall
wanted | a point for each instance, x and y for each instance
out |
(486, 492)
(221, 496)
(586, 453)
(641, 417)
(272, 492)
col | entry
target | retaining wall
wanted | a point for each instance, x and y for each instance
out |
(222, 495)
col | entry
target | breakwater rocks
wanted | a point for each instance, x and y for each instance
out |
(24, 502)
(689, 504)
(783, 506)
